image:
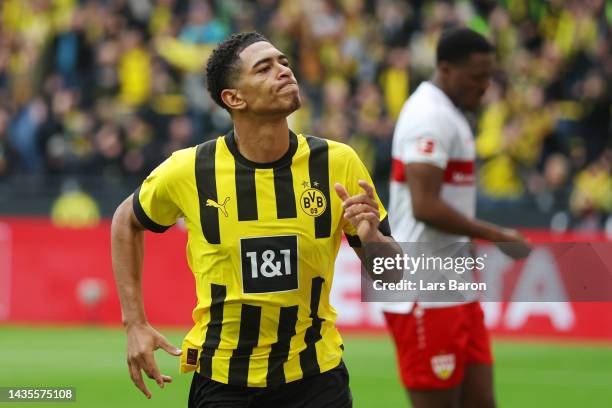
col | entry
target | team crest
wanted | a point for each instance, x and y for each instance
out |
(426, 145)
(443, 365)
(313, 201)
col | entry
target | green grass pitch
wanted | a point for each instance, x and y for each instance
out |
(93, 360)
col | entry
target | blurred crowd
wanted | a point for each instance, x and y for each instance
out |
(109, 88)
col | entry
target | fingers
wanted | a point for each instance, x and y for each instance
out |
(515, 250)
(136, 376)
(148, 364)
(361, 210)
(371, 217)
(367, 188)
(356, 209)
(359, 203)
(367, 198)
(360, 199)
(143, 340)
(169, 348)
(341, 191)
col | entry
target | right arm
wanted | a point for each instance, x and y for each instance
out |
(127, 243)
(425, 182)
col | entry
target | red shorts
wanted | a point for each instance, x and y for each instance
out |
(434, 345)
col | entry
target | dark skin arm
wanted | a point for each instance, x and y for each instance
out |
(425, 182)
(127, 241)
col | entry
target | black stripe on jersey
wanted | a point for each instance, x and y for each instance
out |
(142, 216)
(213, 331)
(280, 349)
(308, 357)
(383, 227)
(206, 182)
(246, 192)
(318, 168)
(250, 317)
(283, 190)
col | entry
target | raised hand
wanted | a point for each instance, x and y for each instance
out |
(361, 210)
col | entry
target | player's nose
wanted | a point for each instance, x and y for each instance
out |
(284, 71)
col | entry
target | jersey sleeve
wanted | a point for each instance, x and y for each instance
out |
(356, 171)
(423, 140)
(154, 206)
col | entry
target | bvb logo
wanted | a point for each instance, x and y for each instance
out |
(313, 202)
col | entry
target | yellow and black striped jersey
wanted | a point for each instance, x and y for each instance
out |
(262, 241)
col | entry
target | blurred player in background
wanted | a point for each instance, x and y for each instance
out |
(264, 232)
(443, 348)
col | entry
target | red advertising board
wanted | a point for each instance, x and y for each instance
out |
(59, 275)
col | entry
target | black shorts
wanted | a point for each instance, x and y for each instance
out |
(327, 390)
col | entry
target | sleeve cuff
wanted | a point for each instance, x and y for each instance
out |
(383, 227)
(143, 218)
(439, 162)
(353, 240)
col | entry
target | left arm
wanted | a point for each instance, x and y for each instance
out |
(362, 211)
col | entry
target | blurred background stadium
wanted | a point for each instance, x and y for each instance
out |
(95, 93)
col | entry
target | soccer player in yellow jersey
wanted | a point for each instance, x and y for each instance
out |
(264, 230)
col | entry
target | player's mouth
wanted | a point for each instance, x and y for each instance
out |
(288, 85)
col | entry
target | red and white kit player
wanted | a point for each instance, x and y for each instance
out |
(443, 348)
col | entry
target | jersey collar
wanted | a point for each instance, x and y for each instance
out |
(230, 141)
(441, 96)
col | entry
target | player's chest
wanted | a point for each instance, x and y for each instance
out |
(247, 202)
(462, 145)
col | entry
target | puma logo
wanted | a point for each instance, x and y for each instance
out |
(212, 203)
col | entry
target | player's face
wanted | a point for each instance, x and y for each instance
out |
(267, 84)
(470, 79)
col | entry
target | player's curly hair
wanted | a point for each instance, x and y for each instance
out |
(457, 44)
(223, 65)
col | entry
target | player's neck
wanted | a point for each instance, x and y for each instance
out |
(437, 81)
(262, 141)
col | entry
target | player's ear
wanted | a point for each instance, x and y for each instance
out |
(444, 67)
(233, 99)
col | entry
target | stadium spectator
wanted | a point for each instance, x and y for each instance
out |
(74, 208)
(7, 155)
(121, 58)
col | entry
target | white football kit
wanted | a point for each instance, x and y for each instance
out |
(432, 130)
